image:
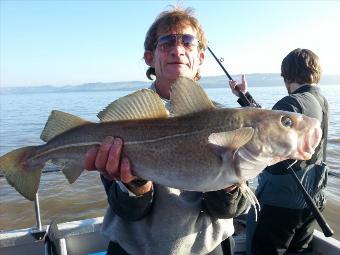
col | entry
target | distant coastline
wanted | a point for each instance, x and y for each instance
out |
(256, 80)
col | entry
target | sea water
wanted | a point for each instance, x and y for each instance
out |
(23, 116)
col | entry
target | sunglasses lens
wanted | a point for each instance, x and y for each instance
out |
(167, 42)
(189, 40)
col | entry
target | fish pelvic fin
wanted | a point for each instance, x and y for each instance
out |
(249, 194)
(22, 175)
(59, 122)
(142, 104)
(230, 140)
(188, 97)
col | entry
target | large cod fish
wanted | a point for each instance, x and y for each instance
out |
(199, 147)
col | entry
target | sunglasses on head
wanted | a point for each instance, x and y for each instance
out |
(167, 42)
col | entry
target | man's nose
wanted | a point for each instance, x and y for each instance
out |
(178, 48)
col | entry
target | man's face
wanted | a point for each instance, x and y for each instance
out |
(177, 60)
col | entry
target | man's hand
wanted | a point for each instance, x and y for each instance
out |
(236, 87)
(108, 161)
(231, 188)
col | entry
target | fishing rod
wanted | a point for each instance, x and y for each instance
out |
(326, 229)
(240, 93)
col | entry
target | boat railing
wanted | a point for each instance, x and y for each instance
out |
(80, 232)
(49, 168)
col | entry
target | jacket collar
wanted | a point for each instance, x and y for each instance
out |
(307, 88)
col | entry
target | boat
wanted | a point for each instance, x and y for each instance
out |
(83, 237)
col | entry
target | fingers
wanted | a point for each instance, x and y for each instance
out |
(103, 153)
(232, 84)
(231, 188)
(125, 171)
(90, 158)
(244, 84)
(234, 87)
(113, 160)
(117, 168)
(107, 159)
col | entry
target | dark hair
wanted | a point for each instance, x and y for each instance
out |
(167, 20)
(301, 66)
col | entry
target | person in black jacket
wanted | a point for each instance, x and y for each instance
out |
(285, 223)
(148, 218)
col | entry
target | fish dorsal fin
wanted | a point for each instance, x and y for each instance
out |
(59, 122)
(142, 104)
(188, 97)
(232, 140)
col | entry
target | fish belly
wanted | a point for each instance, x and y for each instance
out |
(184, 161)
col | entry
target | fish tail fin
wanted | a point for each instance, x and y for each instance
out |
(21, 174)
(249, 194)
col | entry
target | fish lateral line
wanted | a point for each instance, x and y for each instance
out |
(97, 143)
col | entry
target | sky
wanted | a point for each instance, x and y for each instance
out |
(46, 42)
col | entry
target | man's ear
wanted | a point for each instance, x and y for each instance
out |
(148, 58)
(201, 56)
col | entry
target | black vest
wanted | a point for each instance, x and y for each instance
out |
(308, 101)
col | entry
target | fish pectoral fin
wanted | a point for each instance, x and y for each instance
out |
(142, 104)
(59, 122)
(187, 97)
(230, 140)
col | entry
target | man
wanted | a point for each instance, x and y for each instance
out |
(147, 218)
(285, 223)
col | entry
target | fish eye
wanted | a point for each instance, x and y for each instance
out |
(286, 121)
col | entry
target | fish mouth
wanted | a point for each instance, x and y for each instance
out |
(310, 142)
